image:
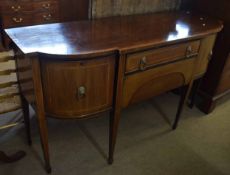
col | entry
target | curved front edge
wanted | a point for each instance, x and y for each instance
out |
(78, 89)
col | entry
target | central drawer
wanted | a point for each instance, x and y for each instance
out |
(150, 73)
(147, 59)
(78, 88)
(147, 84)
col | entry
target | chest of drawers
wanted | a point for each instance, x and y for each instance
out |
(17, 13)
(23, 13)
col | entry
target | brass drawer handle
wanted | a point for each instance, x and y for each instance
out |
(16, 9)
(47, 17)
(81, 92)
(143, 63)
(46, 6)
(189, 52)
(210, 56)
(18, 20)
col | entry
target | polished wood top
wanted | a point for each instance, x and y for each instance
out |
(114, 34)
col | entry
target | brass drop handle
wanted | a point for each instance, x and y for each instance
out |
(81, 92)
(47, 17)
(16, 9)
(18, 20)
(143, 63)
(46, 6)
(210, 56)
(189, 51)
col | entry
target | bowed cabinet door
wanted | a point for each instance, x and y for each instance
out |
(76, 89)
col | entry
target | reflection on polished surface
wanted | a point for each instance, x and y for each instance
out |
(59, 43)
(182, 31)
(110, 34)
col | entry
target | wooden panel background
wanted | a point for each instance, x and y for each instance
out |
(105, 8)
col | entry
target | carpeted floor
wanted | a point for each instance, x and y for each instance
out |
(146, 145)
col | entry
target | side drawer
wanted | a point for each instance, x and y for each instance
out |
(144, 60)
(78, 88)
(144, 85)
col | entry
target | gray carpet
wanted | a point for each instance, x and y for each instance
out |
(146, 145)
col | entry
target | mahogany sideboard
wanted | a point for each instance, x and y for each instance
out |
(216, 82)
(79, 69)
(16, 13)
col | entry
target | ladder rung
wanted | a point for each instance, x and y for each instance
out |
(7, 72)
(6, 58)
(7, 96)
(10, 110)
(9, 125)
(8, 84)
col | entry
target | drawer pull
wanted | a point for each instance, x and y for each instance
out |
(143, 63)
(81, 92)
(47, 17)
(46, 6)
(210, 56)
(16, 9)
(189, 52)
(18, 20)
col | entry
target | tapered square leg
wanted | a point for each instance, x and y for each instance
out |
(114, 123)
(183, 99)
(44, 140)
(40, 111)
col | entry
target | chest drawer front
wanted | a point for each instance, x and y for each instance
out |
(51, 6)
(25, 7)
(78, 88)
(144, 85)
(144, 60)
(21, 13)
(16, 20)
(16, 7)
(46, 17)
(14, 1)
